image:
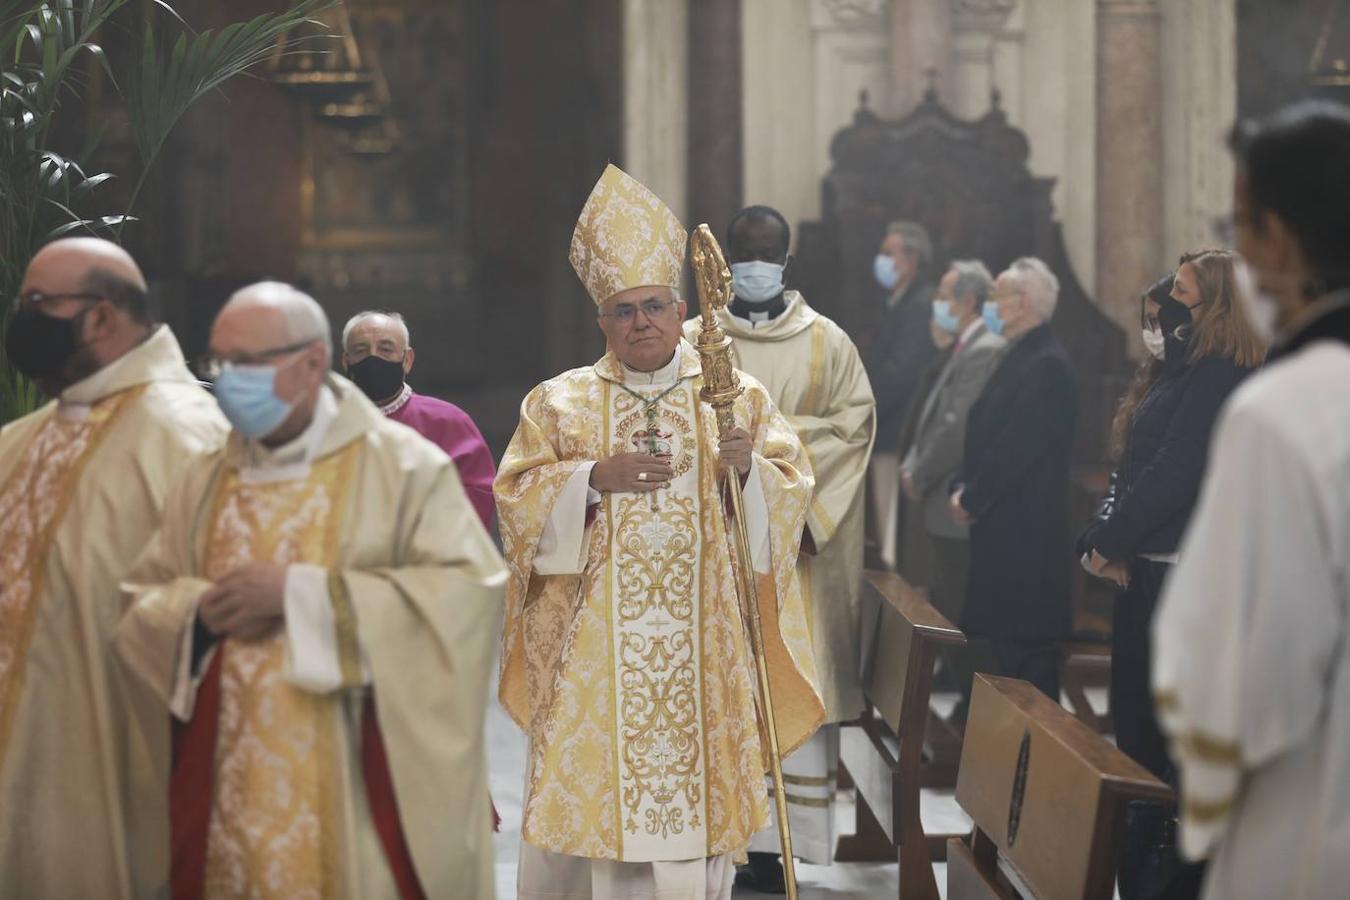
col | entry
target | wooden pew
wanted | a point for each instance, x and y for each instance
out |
(1047, 795)
(883, 751)
(1086, 664)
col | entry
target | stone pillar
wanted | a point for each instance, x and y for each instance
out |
(715, 163)
(655, 97)
(975, 26)
(1129, 157)
(921, 50)
(779, 108)
(1199, 67)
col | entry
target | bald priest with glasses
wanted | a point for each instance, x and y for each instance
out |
(623, 655)
(317, 612)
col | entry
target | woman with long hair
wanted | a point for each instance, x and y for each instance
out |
(1202, 346)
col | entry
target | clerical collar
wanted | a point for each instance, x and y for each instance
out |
(668, 373)
(758, 312)
(290, 461)
(398, 402)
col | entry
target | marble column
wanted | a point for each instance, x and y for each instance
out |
(778, 109)
(655, 97)
(1129, 157)
(975, 26)
(1199, 67)
(921, 51)
(715, 163)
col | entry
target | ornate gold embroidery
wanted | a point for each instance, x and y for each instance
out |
(562, 653)
(275, 827)
(32, 505)
(660, 726)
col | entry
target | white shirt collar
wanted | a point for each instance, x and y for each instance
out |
(291, 461)
(756, 318)
(667, 374)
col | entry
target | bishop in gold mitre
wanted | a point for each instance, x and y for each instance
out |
(317, 613)
(624, 657)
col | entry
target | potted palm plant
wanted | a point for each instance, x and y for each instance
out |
(45, 46)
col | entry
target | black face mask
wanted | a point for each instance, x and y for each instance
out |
(1174, 317)
(379, 379)
(40, 346)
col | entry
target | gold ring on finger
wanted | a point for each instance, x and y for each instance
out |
(642, 476)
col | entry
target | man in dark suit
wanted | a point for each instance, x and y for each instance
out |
(899, 350)
(1013, 486)
(934, 457)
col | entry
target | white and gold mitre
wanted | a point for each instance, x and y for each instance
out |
(626, 238)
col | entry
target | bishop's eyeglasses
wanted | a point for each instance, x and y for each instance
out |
(626, 313)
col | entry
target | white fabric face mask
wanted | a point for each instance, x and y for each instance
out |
(1261, 309)
(757, 281)
(1154, 342)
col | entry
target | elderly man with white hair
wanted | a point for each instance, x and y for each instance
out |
(1013, 487)
(377, 356)
(83, 749)
(316, 612)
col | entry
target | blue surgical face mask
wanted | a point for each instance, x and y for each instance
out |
(883, 268)
(757, 281)
(992, 320)
(943, 318)
(247, 396)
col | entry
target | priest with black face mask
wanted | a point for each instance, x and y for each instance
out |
(84, 750)
(377, 355)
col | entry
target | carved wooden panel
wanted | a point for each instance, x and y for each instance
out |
(968, 183)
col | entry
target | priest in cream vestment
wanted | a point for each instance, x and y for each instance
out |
(83, 749)
(317, 613)
(624, 657)
(815, 376)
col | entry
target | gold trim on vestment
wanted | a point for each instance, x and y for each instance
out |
(1206, 812)
(609, 624)
(809, 780)
(101, 418)
(793, 799)
(344, 623)
(1209, 749)
(809, 403)
(817, 364)
(1166, 701)
(278, 844)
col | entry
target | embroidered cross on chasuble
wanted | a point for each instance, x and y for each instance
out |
(633, 676)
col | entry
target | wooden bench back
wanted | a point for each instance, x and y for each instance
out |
(900, 678)
(1046, 791)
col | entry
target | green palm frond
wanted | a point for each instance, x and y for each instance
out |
(43, 48)
(168, 84)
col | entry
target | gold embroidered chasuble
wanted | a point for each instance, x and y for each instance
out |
(633, 679)
(84, 749)
(415, 586)
(815, 376)
(263, 842)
